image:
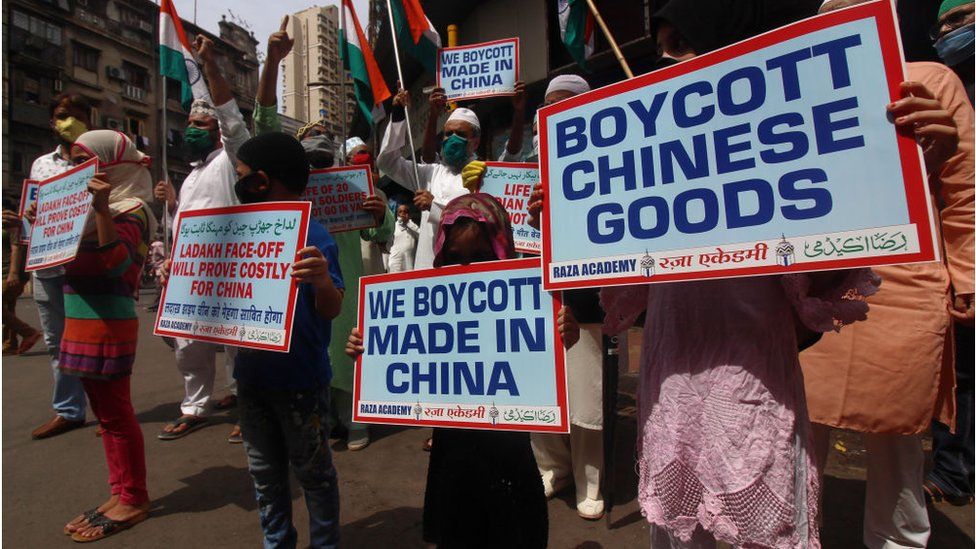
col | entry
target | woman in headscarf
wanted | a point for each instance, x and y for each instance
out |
(483, 487)
(101, 328)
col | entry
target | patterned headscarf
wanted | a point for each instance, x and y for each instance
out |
(202, 107)
(125, 168)
(485, 209)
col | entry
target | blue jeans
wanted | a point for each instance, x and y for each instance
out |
(69, 394)
(282, 428)
(952, 454)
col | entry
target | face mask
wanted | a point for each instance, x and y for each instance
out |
(70, 129)
(956, 46)
(198, 142)
(247, 191)
(361, 159)
(535, 146)
(319, 151)
(454, 151)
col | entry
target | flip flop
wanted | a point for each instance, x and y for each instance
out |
(192, 422)
(87, 516)
(110, 527)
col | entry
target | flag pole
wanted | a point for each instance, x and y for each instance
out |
(613, 43)
(164, 164)
(406, 109)
(343, 54)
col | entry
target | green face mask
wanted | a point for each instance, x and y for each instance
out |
(454, 151)
(197, 142)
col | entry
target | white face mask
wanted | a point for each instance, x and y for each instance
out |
(535, 145)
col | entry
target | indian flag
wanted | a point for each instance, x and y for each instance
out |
(175, 59)
(576, 29)
(358, 60)
(415, 34)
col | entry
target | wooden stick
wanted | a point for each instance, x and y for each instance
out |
(613, 43)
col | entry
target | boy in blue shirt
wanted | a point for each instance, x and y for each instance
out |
(283, 399)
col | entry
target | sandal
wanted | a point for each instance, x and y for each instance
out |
(110, 527)
(934, 494)
(88, 516)
(192, 422)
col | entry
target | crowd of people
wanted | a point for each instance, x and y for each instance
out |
(741, 379)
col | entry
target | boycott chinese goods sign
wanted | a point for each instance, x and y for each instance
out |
(28, 195)
(478, 70)
(474, 347)
(511, 183)
(230, 278)
(337, 196)
(771, 155)
(63, 204)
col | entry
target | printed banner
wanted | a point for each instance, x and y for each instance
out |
(771, 155)
(63, 204)
(28, 195)
(230, 281)
(474, 347)
(337, 196)
(511, 183)
(479, 70)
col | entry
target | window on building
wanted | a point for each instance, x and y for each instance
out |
(95, 119)
(136, 75)
(37, 27)
(32, 90)
(173, 89)
(135, 126)
(85, 57)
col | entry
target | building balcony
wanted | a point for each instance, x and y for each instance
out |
(135, 93)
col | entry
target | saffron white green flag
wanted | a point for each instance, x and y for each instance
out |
(576, 29)
(357, 58)
(175, 58)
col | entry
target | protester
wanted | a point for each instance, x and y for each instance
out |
(284, 397)
(439, 182)
(212, 137)
(483, 487)
(954, 39)
(157, 255)
(319, 150)
(101, 327)
(404, 246)
(900, 351)
(18, 336)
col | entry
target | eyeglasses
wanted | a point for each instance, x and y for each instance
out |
(953, 20)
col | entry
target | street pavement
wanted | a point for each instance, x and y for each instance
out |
(203, 497)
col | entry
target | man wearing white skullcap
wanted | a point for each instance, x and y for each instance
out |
(560, 87)
(439, 182)
(215, 130)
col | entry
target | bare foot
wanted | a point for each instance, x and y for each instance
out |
(81, 522)
(121, 512)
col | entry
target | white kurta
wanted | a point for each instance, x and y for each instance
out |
(442, 182)
(405, 237)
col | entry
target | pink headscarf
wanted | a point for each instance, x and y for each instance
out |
(485, 209)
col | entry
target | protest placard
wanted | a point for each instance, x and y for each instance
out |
(479, 70)
(511, 183)
(28, 195)
(230, 278)
(471, 346)
(771, 155)
(63, 205)
(337, 196)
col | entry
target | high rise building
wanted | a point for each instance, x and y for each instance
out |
(311, 72)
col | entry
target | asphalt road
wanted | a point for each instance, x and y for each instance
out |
(203, 497)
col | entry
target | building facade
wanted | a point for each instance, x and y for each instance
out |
(311, 72)
(106, 51)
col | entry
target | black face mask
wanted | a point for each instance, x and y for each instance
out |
(246, 188)
(664, 62)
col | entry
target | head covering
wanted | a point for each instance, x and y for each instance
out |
(571, 83)
(278, 155)
(951, 4)
(485, 209)
(126, 170)
(304, 129)
(708, 25)
(202, 107)
(465, 115)
(353, 142)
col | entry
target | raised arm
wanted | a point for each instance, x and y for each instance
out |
(266, 110)
(390, 161)
(438, 101)
(233, 131)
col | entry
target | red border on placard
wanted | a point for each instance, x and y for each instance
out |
(562, 398)
(472, 46)
(517, 166)
(305, 209)
(80, 167)
(916, 193)
(371, 190)
(22, 208)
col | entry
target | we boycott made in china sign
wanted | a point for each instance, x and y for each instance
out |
(230, 278)
(775, 154)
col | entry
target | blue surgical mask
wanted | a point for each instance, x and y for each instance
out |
(956, 46)
(454, 151)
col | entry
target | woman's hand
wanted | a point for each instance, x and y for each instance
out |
(919, 113)
(100, 190)
(472, 175)
(536, 200)
(354, 345)
(375, 205)
(567, 326)
(31, 213)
